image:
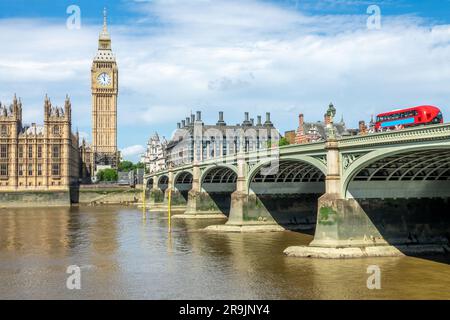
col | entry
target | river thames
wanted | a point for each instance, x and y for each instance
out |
(123, 256)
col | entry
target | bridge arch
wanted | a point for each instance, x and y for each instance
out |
(223, 173)
(310, 164)
(219, 182)
(163, 182)
(149, 183)
(182, 183)
(424, 162)
(287, 193)
(183, 177)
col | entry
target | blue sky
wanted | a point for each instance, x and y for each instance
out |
(234, 56)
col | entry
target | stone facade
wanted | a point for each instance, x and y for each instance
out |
(290, 136)
(218, 140)
(317, 131)
(105, 83)
(38, 158)
(155, 155)
(86, 162)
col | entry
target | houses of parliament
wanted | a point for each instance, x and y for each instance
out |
(51, 157)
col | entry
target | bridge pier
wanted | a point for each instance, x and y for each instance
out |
(246, 215)
(178, 202)
(354, 228)
(199, 203)
(155, 196)
(343, 230)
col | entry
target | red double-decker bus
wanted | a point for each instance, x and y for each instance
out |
(410, 117)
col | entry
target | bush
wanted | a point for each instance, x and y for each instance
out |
(108, 175)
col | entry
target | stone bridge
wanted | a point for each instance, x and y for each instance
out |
(379, 194)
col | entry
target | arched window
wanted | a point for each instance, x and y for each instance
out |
(56, 130)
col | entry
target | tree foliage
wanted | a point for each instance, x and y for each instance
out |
(107, 175)
(127, 166)
(283, 142)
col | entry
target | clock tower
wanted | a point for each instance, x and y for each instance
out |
(105, 83)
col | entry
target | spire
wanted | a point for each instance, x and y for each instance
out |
(104, 42)
(105, 20)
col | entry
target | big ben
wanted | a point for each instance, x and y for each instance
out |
(105, 84)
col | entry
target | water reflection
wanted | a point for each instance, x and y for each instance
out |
(124, 256)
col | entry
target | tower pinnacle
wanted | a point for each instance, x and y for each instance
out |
(105, 20)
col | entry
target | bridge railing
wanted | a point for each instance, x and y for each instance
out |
(423, 133)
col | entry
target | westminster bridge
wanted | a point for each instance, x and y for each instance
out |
(376, 194)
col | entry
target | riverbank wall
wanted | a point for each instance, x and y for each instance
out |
(35, 199)
(83, 195)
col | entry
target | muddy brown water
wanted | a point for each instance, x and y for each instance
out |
(123, 256)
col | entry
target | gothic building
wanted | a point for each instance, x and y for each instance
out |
(105, 88)
(194, 139)
(155, 156)
(316, 131)
(35, 158)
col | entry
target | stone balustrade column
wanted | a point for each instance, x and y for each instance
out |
(333, 178)
(196, 173)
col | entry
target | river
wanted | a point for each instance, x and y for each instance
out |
(123, 256)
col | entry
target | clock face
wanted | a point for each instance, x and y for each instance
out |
(104, 79)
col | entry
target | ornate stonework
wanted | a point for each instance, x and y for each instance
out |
(105, 83)
(38, 158)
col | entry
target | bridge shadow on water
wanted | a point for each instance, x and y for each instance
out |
(295, 212)
(412, 222)
(222, 201)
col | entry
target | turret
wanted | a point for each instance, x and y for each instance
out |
(68, 109)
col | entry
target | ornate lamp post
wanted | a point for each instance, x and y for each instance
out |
(331, 113)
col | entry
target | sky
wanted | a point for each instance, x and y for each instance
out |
(179, 56)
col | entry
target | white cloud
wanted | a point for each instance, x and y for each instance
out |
(132, 151)
(234, 56)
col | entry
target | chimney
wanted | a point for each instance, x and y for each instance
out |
(183, 123)
(221, 122)
(252, 121)
(199, 116)
(179, 125)
(268, 122)
(259, 121)
(362, 127)
(246, 120)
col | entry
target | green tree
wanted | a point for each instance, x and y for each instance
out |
(107, 175)
(126, 166)
(140, 165)
(283, 142)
